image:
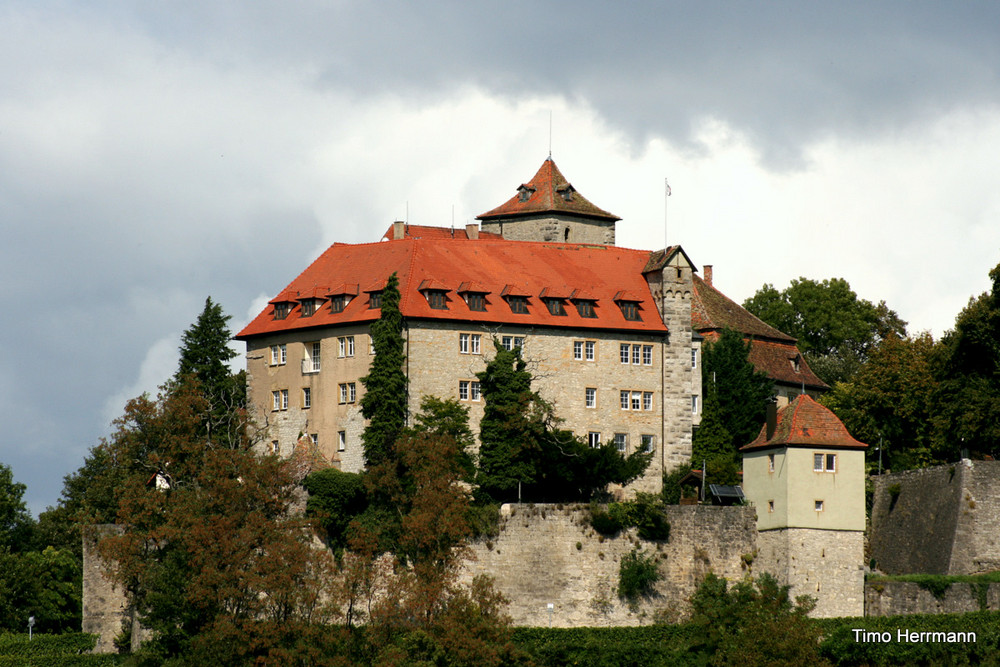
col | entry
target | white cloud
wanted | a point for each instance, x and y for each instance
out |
(157, 367)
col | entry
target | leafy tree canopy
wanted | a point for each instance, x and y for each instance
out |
(835, 329)
(15, 521)
(741, 392)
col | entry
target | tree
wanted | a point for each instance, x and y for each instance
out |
(384, 402)
(205, 355)
(209, 553)
(754, 623)
(835, 330)
(522, 448)
(742, 392)
(16, 523)
(890, 402)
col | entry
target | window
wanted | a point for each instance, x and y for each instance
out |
(694, 404)
(623, 352)
(275, 400)
(374, 300)
(518, 304)
(636, 352)
(371, 345)
(341, 440)
(463, 343)
(348, 392)
(824, 463)
(694, 358)
(770, 462)
(470, 343)
(437, 299)
(314, 438)
(591, 397)
(311, 358)
(647, 400)
(636, 400)
(630, 310)
(279, 355)
(475, 301)
(578, 350)
(345, 346)
(621, 441)
(555, 306)
(281, 310)
(589, 350)
(338, 303)
(306, 398)
(463, 390)
(585, 309)
(274, 447)
(308, 307)
(795, 364)
(770, 505)
(647, 442)
(474, 391)
(284, 399)
(623, 397)
(475, 341)
(510, 342)
(819, 506)
(594, 439)
(647, 355)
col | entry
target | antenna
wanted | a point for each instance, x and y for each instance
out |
(666, 195)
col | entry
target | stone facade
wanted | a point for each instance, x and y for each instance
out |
(554, 227)
(894, 598)
(940, 520)
(825, 564)
(549, 554)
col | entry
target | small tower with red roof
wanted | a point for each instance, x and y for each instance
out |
(805, 474)
(548, 208)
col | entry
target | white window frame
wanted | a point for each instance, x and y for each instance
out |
(694, 404)
(637, 400)
(463, 343)
(578, 350)
(284, 399)
(594, 439)
(463, 390)
(314, 438)
(623, 398)
(624, 353)
(590, 397)
(636, 354)
(343, 393)
(352, 390)
(275, 401)
(275, 448)
(819, 505)
(770, 463)
(694, 357)
(476, 341)
(647, 400)
(590, 353)
(306, 398)
(647, 355)
(621, 442)
(341, 441)
(475, 391)
(831, 463)
(648, 442)
(824, 462)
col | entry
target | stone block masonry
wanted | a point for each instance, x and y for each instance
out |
(893, 598)
(549, 554)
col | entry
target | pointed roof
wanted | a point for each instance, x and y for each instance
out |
(547, 192)
(805, 423)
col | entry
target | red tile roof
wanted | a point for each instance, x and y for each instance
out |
(805, 423)
(547, 192)
(499, 267)
(423, 232)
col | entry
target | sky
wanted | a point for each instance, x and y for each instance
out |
(154, 154)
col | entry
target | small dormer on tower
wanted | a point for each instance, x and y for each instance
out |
(549, 208)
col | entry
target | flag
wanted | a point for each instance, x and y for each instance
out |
(667, 186)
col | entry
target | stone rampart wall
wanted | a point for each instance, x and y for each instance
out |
(549, 554)
(892, 598)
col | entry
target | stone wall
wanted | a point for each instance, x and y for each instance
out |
(103, 603)
(941, 520)
(892, 598)
(549, 554)
(553, 227)
(825, 564)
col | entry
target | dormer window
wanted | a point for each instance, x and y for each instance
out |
(630, 310)
(339, 302)
(524, 193)
(566, 192)
(585, 309)
(476, 301)
(308, 307)
(796, 363)
(374, 300)
(436, 299)
(555, 306)
(518, 304)
(281, 310)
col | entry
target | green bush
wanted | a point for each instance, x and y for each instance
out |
(637, 575)
(646, 513)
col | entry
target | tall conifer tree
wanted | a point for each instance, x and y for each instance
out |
(384, 402)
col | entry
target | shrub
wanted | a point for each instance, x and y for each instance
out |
(637, 575)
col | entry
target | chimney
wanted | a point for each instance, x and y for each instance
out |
(772, 419)
(708, 274)
(398, 230)
(472, 231)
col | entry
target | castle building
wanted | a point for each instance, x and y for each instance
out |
(805, 475)
(607, 330)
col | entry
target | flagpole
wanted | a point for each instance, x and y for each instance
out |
(666, 194)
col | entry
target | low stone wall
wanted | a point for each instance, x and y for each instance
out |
(892, 598)
(549, 554)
